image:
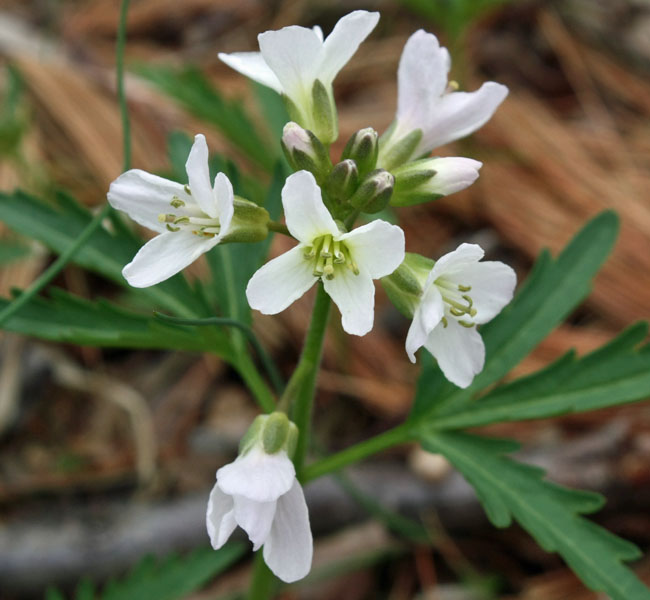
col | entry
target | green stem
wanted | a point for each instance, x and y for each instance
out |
(300, 390)
(121, 93)
(263, 583)
(397, 435)
(279, 228)
(265, 358)
(254, 382)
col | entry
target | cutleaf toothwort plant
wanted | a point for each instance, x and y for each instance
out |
(461, 307)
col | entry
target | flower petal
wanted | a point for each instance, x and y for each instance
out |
(493, 284)
(294, 54)
(253, 65)
(458, 114)
(355, 297)
(225, 197)
(377, 248)
(255, 518)
(198, 173)
(289, 548)
(427, 315)
(257, 475)
(453, 173)
(144, 196)
(421, 80)
(220, 517)
(455, 263)
(164, 256)
(459, 351)
(280, 282)
(344, 40)
(306, 215)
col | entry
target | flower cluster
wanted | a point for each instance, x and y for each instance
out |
(446, 299)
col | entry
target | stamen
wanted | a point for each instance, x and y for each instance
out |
(319, 267)
(211, 230)
(309, 252)
(187, 190)
(325, 250)
(456, 312)
(166, 218)
(339, 258)
(464, 288)
(469, 300)
(172, 228)
(444, 322)
(466, 324)
(329, 268)
(177, 202)
(180, 220)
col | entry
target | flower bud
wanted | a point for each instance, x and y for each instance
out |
(405, 285)
(374, 192)
(395, 151)
(304, 151)
(342, 182)
(363, 148)
(249, 222)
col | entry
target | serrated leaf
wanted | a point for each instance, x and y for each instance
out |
(553, 289)
(550, 513)
(615, 374)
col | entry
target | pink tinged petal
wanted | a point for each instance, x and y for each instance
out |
(377, 248)
(255, 518)
(294, 54)
(459, 351)
(493, 284)
(164, 256)
(220, 517)
(252, 65)
(452, 174)
(355, 297)
(257, 475)
(306, 215)
(458, 114)
(427, 315)
(454, 263)
(225, 197)
(344, 40)
(280, 282)
(144, 196)
(198, 174)
(422, 80)
(289, 548)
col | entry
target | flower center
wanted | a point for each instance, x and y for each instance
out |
(328, 256)
(459, 302)
(195, 220)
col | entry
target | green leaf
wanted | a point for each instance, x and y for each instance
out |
(553, 289)
(199, 97)
(11, 251)
(550, 513)
(615, 374)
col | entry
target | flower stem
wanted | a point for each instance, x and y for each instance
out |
(397, 435)
(301, 387)
(263, 583)
(279, 228)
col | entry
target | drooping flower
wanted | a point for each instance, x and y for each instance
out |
(297, 63)
(430, 112)
(345, 262)
(260, 493)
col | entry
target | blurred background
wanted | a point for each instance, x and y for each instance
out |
(108, 455)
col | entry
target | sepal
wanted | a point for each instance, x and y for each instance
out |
(394, 152)
(405, 285)
(363, 149)
(249, 223)
(342, 181)
(374, 193)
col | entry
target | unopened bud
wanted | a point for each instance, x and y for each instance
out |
(304, 151)
(249, 223)
(363, 148)
(342, 182)
(405, 285)
(394, 151)
(375, 192)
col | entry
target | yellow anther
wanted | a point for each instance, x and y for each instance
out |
(465, 324)
(444, 322)
(464, 288)
(187, 190)
(469, 300)
(180, 220)
(177, 202)
(172, 228)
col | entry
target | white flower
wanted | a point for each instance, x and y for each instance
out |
(260, 493)
(190, 219)
(426, 101)
(460, 293)
(293, 58)
(345, 262)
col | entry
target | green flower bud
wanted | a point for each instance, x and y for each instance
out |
(363, 148)
(342, 182)
(404, 286)
(304, 151)
(374, 193)
(395, 152)
(249, 222)
(324, 114)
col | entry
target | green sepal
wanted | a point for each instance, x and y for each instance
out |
(324, 114)
(342, 181)
(405, 285)
(363, 149)
(275, 432)
(374, 193)
(249, 223)
(393, 154)
(253, 433)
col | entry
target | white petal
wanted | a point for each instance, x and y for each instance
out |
(257, 475)
(164, 256)
(255, 518)
(377, 248)
(144, 196)
(343, 41)
(225, 197)
(289, 548)
(459, 351)
(280, 282)
(452, 174)
(454, 263)
(493, 285)
(318, 31)
(306, 215)
(252, 64)
(294, 54)
(458, 114)
(427, 315)
(220, 517)
(198, 173)
(355, 297)
(422, 79)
